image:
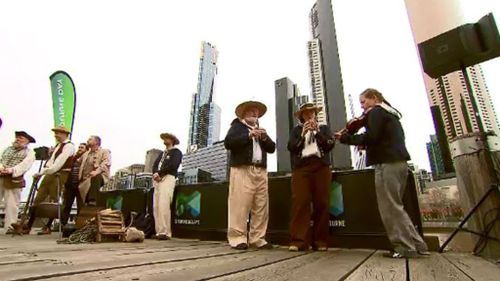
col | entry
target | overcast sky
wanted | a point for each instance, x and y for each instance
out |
(135, 64)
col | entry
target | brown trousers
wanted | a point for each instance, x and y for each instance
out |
(48, 188)
(310, 183)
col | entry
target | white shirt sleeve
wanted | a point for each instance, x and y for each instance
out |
(1, 153)
(68, 151)
(25, 165)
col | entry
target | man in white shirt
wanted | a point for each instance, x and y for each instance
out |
(15, 160)
(57, 168)
(248, 185)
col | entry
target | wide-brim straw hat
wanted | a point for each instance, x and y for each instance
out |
(61, 129)
(26, 135)
(169, 136)
(242, 107)
(306, 107)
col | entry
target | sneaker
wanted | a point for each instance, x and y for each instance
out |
(10, 231)
(241, 246)
(266, 246)
(162, 237)
(44, 231)
(393, 255)
(322, 249)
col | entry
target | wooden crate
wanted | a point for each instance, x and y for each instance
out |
(110, 222)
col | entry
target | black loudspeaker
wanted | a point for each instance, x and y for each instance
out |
(280, 202)
(42, 153)
(460, 47)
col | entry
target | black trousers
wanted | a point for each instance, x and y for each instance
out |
(71, 193)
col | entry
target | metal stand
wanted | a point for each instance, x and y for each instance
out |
(461, 227)
(29, 201)
(58, 179)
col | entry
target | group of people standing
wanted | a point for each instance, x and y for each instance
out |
(310, 144)
(75, 173)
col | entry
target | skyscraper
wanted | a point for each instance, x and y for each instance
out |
(213, 159)
(326, 77)
(317, 79)
(435, 157)
(204, 125)
(449, 99)
(151, 156)
(288, 101)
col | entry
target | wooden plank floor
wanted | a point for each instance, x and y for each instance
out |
(41, 258)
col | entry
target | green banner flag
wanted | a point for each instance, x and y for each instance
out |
(63, 99)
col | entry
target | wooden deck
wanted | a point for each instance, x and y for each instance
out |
(36, 258)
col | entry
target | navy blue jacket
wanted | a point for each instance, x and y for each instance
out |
(384, 138)
(324, 140)
(240, 145)
(170, 165)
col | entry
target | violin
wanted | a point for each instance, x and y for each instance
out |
(355, 124)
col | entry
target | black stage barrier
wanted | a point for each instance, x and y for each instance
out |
(126, 200)
(200, 210)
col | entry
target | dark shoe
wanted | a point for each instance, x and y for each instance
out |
(241, 246)
(20, 229)
(162, 237)
(266, 246)
(44, 231)
(10, 231)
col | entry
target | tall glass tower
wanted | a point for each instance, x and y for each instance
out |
(326, 77)
(204, 124)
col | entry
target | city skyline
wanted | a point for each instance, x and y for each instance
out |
(134, 79)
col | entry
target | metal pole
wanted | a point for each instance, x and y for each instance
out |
(59, 205)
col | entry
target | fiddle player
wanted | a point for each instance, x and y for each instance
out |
(384, 140)
(248, 183)
(310, 145)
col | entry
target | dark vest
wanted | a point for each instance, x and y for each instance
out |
(69, 162)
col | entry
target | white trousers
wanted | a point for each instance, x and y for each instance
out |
(163, 194)
(11, 199)
(248, 195)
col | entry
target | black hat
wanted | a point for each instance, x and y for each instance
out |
(26, 135)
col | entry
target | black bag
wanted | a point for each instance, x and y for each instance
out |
(146, 223)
